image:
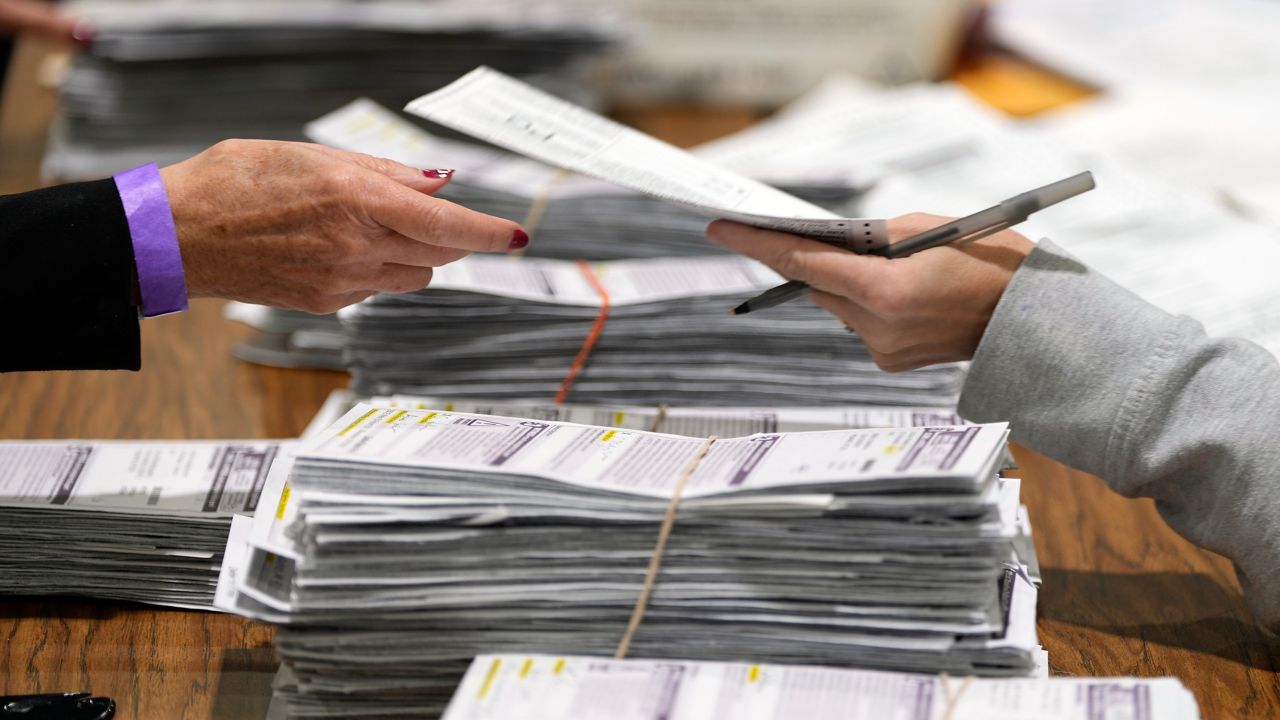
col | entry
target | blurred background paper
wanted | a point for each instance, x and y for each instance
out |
(765, 52)
(166, 78)
(1188, 88)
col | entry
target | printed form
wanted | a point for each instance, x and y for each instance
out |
(508, 113)
(650, 464)
(585, 688)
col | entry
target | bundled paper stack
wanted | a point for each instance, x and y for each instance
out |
(144, 521)
(589, 688)
(165, 79)
(411, 540)
(501, 327)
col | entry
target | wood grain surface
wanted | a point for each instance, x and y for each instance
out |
(1122, 595)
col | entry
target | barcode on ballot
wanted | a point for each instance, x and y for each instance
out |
(154, 497)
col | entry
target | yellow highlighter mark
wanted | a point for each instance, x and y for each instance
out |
(284, 502)
(559, 668)
(618, 417)
(358, 420)
(526, 668)
(427, 418)
(448, 407)
(892, 449)
(391, 420)
(608, 435)
(753, 674)
(488, 679)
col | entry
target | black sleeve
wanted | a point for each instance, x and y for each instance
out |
(66, 280)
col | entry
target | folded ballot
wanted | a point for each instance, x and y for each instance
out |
(144, 521)
(496, 108)
(549, 687)
(407, 541)
(502, 327)
(570, 216)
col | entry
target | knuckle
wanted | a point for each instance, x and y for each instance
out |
(432, 219)
(233, 146)
(789, 264)
(332, 278)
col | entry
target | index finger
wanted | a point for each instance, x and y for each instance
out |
(827, 268)
(440, 222)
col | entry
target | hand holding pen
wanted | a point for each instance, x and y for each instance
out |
(966, 229)
(927, 308)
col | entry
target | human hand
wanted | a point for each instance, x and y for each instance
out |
(42, 18)
(303, 226)
(926, 308)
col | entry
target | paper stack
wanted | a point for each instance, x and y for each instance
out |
(502, 327)
(411, 540)
(143, 521)
(165, 79)
(548, 687)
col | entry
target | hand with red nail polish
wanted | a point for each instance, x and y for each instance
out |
(304, 226)
(41, 18)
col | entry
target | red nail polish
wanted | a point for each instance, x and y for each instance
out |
(519, 239)
(438, 173)
(83, 34)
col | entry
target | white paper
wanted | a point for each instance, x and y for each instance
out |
(627, 282)
(649, 464)
(506, 112)
(548, 687)
(694, 421)
(214, 478)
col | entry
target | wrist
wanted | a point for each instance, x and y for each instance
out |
(160, 280)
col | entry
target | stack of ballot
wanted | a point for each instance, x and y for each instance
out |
(165, 79)
(142, 521)
(588, 688)
(508, 327)
(408, 541)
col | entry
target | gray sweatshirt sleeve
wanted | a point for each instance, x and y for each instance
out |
(1094, 377)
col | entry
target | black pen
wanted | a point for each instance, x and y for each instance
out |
(971, 227)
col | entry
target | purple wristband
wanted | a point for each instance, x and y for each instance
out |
(155, 241)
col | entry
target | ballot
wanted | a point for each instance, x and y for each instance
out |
(499, 109)
(550, 687)
(570, 216)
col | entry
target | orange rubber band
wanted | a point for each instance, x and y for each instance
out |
(590, 342)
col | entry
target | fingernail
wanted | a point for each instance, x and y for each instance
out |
(83, 33)
(438, 173)
(519, 239)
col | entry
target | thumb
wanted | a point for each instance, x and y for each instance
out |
(428, 181)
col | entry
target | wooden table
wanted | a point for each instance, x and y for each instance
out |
(1122, 595)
